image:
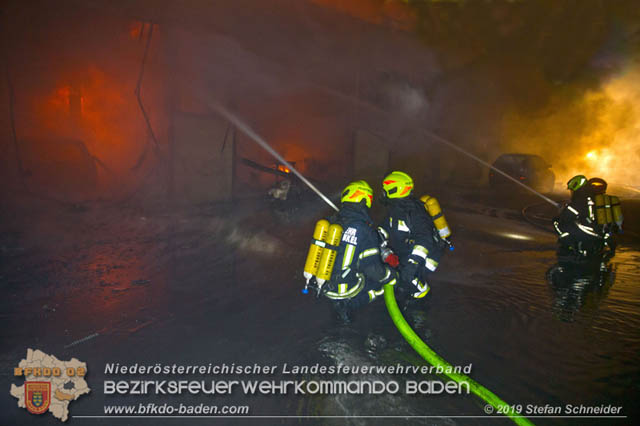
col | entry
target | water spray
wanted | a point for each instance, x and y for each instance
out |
(260, 141)
(495, 169)
(394, 312)
(369, 106)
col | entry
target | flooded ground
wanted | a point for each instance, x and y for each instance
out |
(221, 284)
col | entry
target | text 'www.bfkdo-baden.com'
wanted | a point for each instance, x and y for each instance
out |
(155, 409)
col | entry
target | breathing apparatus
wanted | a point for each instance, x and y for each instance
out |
(397, 185)
(608, 208)
(394, 311)
(432, 206)
(322, 253)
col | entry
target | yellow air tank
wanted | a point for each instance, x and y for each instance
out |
(316, 249)
(616, 210)
(329, 253)
(434, 210)
(601, 215)
(607, 208)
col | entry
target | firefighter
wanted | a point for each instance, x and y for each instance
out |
(358, 275)
(410, 233)
(579, 236)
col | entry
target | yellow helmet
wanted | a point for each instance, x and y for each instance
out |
(576, 182)
(397, 185)
(356, 192)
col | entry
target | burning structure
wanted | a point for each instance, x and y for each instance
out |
(114, 164)
(102, 100)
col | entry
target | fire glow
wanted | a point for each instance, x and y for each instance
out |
(613, 144)
(97, 112)
(283, 168)
(93, 102)
(596, 134)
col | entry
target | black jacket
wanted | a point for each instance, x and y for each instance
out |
(576, 221)
(358, 252)
(411, 232)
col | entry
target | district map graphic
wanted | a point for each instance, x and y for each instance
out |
(50, 384)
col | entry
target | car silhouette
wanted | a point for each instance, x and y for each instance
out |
(531, 170)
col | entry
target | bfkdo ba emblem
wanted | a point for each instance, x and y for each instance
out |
(37, 396)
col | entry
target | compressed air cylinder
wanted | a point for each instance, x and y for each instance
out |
(328, 257)
(316, 249)
(434, 210)
(601, 215)
(607, 208)
(616, 210)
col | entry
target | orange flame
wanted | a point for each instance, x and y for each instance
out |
(283, 168)
(596, 134)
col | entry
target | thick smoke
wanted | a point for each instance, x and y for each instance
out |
(595, 132)
(308, 76)
(80, 133)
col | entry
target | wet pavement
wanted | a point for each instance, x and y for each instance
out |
(221, 284)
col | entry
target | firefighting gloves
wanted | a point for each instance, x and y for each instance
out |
(409, 276)
(391, 278)
(409, 271)
(421, 288)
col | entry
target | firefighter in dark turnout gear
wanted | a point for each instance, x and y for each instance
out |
(579, 236)
(358, 274)
(410, 233)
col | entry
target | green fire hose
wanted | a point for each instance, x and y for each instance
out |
(436, 360)
(404, 328)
